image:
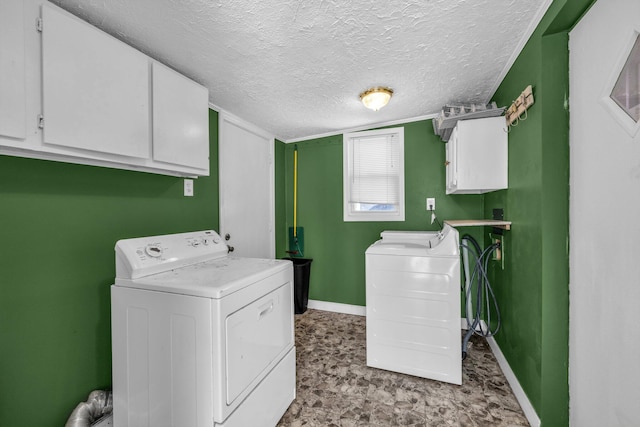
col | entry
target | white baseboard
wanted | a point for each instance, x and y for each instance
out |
(518, 391)
(523, 400)
(336, 307)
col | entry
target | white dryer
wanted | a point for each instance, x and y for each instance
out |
(413, 304)
(200, 338)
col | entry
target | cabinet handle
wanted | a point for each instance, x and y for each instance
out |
(447, 163)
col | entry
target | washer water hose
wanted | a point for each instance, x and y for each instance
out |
(477, 282)
(99, 403)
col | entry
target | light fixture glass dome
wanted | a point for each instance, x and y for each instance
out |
(376, 97)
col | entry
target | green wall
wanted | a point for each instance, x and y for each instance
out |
(337, 247)
(533, 289)
(60, 223)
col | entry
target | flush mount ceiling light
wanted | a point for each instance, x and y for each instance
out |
(376, 97)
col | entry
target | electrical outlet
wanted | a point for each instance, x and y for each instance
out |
(431, 203)
(497, 255)
(188, 187)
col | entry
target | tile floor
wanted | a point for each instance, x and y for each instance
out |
(336, 388)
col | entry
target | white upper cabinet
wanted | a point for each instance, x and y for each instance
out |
(180, 119)
(95, 88)
(72, 93)
(477, 156)
(12, 71)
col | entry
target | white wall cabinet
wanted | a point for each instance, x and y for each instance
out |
(95, 88)
(477, 157)
(180, 124)
(93, 93)
(12, 71)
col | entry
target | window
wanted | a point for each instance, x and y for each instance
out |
(373, 175)
(626, 91)
(621, 97)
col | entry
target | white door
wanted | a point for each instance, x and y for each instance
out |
(603, 216)
(247, 212)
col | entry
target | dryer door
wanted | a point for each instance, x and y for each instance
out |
(257, 336)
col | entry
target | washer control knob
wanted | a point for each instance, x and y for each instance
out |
(216, 239)
(154, 251)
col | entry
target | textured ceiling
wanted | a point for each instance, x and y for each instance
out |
(295, 68)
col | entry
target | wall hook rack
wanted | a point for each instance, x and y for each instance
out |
(519, 107)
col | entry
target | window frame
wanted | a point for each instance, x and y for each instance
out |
(618, 113)
(349, 215)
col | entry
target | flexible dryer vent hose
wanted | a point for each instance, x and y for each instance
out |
(99, 403)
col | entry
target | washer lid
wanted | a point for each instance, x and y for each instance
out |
(418, 243)
(211, 279)
(408, 236)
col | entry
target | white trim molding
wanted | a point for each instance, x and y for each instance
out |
(369, 126)
(337, 307)
(518, 391)
(361, 128)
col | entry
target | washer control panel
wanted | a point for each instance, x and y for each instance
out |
(144, 256)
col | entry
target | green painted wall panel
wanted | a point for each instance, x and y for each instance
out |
(518, 286)
(337, 247)
(532, 290)
(555, 226)
(60, 223)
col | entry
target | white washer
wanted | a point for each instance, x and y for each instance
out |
(413, 304)
(200, 338)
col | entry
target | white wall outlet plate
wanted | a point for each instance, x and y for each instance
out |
(431, 203)
(188, 187)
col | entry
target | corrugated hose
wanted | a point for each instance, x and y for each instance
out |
(99, 403)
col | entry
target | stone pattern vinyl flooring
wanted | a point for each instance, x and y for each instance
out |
(335, 387)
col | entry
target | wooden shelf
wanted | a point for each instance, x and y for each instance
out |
(505, 225)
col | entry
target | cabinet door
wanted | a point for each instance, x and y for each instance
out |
(12, 70)
(95, 88)
(482, 155)
(180, 119)
(477, 153)
(451, 164)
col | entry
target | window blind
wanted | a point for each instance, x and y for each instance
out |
(375, 172)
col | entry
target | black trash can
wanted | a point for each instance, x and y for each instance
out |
(301, 273)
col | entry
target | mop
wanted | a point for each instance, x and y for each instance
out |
(296, 234)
